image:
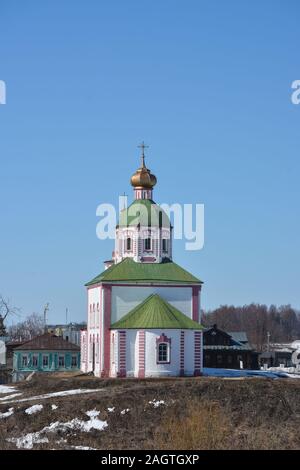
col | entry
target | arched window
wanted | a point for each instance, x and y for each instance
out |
(163, 353)
(128, 244)
(147, 244)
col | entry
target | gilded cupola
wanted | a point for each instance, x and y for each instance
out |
(143, 178)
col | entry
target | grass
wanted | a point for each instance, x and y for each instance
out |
(198, 413)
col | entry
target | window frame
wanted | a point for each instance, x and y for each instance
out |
(45, 365)
(74, 356)
(61, 356)
(25, 356)
(128, 239)
(146, 240)
(35, 356)
(165, 353)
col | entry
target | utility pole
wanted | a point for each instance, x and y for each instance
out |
(67, 310)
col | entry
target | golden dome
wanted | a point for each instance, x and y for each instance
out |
(143, 178)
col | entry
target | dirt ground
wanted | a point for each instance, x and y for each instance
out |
(246, 413)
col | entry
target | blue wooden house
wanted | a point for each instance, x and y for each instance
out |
(46, 353)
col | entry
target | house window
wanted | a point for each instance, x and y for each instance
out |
(163, 352)
(165, 245)
(74, 361)
(229, 359)
(128, 244)
(35, 361)
(24, 361)
(61, 361)
(45, 361)
(219, 359)
(147, 244)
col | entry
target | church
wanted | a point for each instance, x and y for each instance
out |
(143, 317)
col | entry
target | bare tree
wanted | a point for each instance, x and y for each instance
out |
(32, 326)
(6, 309)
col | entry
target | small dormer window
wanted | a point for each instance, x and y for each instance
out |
(128, 244)
(147, 244)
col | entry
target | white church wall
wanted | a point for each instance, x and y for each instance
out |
(131, 353)
(151, 366)
(93, 329)
(126, 298)
(189, 352)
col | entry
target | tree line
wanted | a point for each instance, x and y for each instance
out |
(281, 323)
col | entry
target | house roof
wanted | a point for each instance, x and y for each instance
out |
(48, 342)
(232, 347)
(240, 336)
(130, 271)
(154, 312)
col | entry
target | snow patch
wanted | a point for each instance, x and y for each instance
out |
(7, 413)
(54, 407)
(8, 397)
(62, 393)
(123, 412)
(82, 448)
(7, 389)
(156, 403)
(34, 409)
(27, 441)
(111, 410)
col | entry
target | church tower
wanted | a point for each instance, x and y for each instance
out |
(144, 232)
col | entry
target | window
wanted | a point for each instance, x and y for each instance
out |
(128, 244)
(229, 359)
(163, 352)
(61, 361)
(74, 361)
(45, 361)
(219, 359)
(35, 361)
(24, 361)
(165, 245)
(147, 244)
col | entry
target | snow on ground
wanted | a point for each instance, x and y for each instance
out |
(211, 372)
(123, 412)
(34, 409)
(54, 407)
(82, 448)
(62, 393)
(7, 413)
(8, 397)
(28, 440)
(111, 410)
(7, 389)
(156, 403)
(292, 372)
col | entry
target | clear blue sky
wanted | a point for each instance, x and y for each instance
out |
(206, 83)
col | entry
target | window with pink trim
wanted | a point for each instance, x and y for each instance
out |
(163, 350)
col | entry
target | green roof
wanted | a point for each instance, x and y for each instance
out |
(155, 312)
(130, 271)
(144, 212)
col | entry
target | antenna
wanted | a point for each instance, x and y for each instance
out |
(67, 310)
